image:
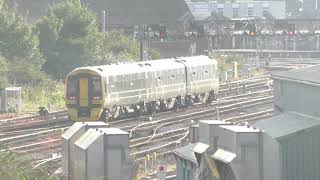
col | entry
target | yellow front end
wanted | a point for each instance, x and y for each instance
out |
(95, 114)
(84, 98)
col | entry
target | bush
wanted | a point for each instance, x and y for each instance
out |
(36, 96)
(13, 166)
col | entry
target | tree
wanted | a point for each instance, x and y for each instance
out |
(117, 46)
(69, 38)
(19, 46)
(3, 72)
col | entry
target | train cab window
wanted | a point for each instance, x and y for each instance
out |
(72, 88)
(96, 88)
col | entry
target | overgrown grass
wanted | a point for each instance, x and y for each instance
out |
(14, 166)
(34, 97)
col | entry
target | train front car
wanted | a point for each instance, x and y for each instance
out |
(84, 95)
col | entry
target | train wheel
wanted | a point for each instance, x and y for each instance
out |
(211, 97)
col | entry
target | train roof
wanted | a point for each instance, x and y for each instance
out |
(143, 66)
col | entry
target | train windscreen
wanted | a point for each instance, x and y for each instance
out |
(96, 88)
(72, 86)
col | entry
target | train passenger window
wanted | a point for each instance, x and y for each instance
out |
(194, 73)
(172, 76)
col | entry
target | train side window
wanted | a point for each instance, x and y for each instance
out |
(172, 77)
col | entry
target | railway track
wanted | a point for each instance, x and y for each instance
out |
(47, 135)
(171, 136)
(60, 117)
(43, 139)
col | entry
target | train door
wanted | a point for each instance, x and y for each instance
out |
(84, 92)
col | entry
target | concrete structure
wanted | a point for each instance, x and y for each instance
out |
(225, 148)
(208, 131)
(287, 148)
(103, 154)
(10, 100)
(187, 165)
(67, 143)
(298, 91)
(237, 10)
(291, 147)
(284, 147)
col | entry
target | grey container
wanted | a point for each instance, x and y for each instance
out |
(208, 131)
(194, 133)
(102, 154)
(67, 143)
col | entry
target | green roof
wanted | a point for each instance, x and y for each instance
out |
(287, 124)
(308, 74)
(187, 153)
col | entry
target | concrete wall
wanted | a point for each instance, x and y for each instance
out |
(68, 148)
(88, 161)
(271, 158)
(300, 155)
(116, 153)
(209, 132)
(293, 96)
(182, 166)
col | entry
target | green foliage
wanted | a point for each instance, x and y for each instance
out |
(117, 46)
(17, 167)
(153, 54)
(19, 46)
(69, 38)
(3, 72)
(226, 62)
(36, 96)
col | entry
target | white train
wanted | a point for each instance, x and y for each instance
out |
(99, 92)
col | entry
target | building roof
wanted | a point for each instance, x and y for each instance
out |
(223, 156)
(88, 138)
(113, 131)
(240, 129)
(308, 74)
(136, 12)
(78, 125)
(286, 124)
(215, 122)
(187, 153)
(200, 148)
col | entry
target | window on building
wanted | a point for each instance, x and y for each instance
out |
(265, 10)
(250, 11)
(220, 11)
(235, 12)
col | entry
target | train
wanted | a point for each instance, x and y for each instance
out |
(101, 93)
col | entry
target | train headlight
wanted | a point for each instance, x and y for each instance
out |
(72, 98)
(96, 97)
